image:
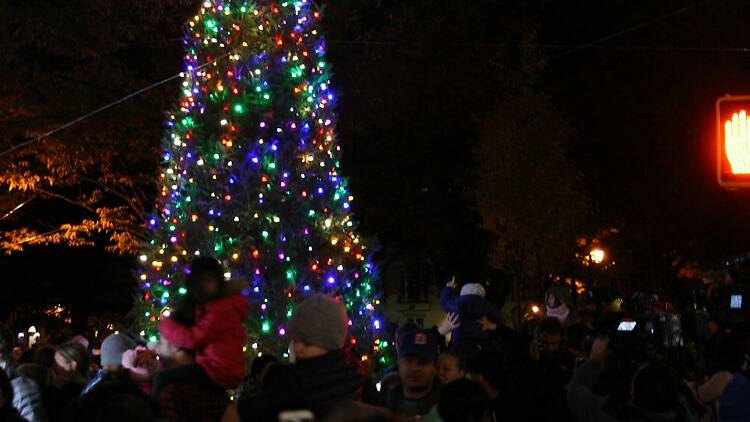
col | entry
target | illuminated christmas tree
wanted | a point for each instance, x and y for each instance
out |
(251, 176)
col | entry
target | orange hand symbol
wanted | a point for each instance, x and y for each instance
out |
(737, 142)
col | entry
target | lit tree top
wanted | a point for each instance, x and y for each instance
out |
(251, 174)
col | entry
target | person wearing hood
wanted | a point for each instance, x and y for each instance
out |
(557, 305)
(319, 379)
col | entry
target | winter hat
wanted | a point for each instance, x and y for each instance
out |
(321, 321)
(113, 347)
(473, 289)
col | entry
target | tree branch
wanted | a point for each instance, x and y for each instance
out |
(16, 208)
(66, 199)
(132, 201)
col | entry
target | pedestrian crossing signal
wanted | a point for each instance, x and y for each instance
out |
(733, 141)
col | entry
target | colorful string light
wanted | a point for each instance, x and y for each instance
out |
(251, 175)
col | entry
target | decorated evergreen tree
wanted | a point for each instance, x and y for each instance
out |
(251, 176)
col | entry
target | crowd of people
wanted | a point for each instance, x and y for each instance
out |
(566, 367)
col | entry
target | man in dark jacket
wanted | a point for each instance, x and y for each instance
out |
(539, 383)
(319, 379)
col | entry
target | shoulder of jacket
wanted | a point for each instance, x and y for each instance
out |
(27, 384)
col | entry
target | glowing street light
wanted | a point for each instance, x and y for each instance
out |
(596, 256)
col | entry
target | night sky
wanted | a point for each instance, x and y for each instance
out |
(641, 107)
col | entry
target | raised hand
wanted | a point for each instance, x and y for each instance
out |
(449, 323)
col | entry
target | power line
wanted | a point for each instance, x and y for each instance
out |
(623, 32)
(554, 57)
(656, 48)
(482, 44)
(104, 107)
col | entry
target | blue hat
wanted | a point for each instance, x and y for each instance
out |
(421, 343)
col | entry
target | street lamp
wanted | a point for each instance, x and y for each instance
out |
(596, 256)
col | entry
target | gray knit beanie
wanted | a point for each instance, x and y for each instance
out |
(113, 347)
(321, 321)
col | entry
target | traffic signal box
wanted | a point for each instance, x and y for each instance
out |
(733, 141)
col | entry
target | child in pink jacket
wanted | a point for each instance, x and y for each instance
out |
(209, 321)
